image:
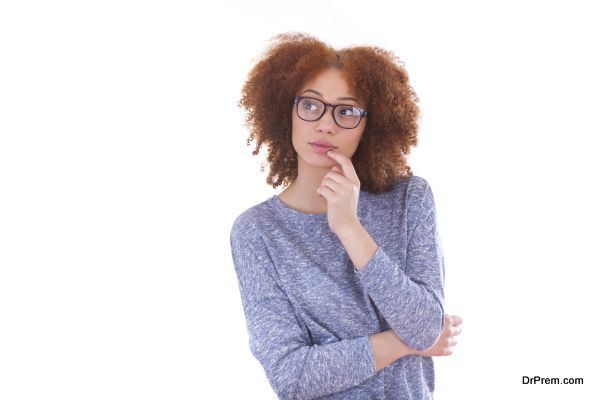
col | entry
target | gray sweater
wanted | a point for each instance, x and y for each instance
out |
(309, 312)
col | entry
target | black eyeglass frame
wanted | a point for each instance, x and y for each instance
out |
(296, 99)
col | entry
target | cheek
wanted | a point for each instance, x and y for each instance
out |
(299, 129)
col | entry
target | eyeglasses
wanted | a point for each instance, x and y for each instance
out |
(345, 115)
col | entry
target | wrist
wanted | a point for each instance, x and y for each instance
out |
(350, 229)
(401, 347)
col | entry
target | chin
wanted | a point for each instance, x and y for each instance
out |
(317, 160)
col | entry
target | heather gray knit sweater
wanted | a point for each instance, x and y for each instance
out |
(309, 312)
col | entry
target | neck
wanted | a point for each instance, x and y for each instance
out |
(302, 193)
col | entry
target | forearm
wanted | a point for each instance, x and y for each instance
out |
(359, 245)
(411, 305)
(387, 348)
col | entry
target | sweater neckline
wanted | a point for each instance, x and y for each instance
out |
(297, 213)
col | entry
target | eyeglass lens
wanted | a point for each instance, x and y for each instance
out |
(345, 115)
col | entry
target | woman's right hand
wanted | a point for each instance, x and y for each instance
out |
(442, 346)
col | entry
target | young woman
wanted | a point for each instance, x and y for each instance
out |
(341, 275)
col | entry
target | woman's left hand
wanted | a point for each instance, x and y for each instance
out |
(442, 346)
(341, 189)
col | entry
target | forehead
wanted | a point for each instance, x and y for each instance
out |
(331, 83)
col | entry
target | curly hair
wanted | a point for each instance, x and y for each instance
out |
(377, 78)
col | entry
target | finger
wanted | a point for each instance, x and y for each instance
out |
(345, 163)
(448, 321)
(338, 170)
(331, 185)
(338, 177)
(325, 192)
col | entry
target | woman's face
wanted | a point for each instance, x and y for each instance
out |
(330, 87)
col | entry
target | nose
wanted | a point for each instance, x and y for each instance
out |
(326, 123)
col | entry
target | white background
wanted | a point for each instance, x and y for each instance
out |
(123, 163)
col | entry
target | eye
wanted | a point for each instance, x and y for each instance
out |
(310, 105)
(348, 111)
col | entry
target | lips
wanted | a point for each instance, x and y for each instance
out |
(323, 143)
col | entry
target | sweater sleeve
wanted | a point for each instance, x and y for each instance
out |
(411, 301)
(295, 368)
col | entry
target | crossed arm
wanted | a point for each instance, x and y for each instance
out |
(386, 345)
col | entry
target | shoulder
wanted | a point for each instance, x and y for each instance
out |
(247, 225)
(412, 188)
(416, 193)
(421, 189)
(421, 208)
(413, 182)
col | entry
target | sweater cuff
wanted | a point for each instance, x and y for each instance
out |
(378, 270)
(373, 263)
(367, 358)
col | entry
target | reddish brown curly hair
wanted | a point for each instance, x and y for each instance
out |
(377, 78)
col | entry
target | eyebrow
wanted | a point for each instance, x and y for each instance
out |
(339, 98)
